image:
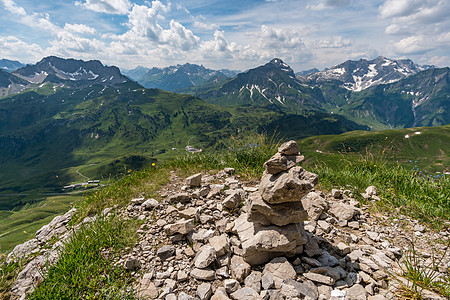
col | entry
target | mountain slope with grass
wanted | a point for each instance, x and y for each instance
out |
(423, 148)
(380, 93)
(54, 135)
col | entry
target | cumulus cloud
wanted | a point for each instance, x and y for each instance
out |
(422, 25)
(15, 48)
(143, 22)
(106, 6)
(396, 29)
(219, 47)
(327, 4)
(271, 37)
(438, 60)
(416, 44)
(12, 7)
(334, 42)
(79, 28)
(415, 11)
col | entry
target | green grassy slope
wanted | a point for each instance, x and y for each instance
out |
(19, 226)
(53, 136)
(429, 148)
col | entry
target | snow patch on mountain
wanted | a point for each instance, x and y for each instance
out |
(362, 74)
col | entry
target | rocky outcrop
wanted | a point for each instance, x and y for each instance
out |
(34, 271)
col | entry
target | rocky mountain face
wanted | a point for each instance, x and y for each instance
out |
(273, 84)
(422, 99)
(10, 65)
(58, 70)
(274, 239)
(177, 77)
(136, 74)
(10, 84)
(362, 74)
(381, 93)
(307, 72)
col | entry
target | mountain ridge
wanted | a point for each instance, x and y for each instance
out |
(362, 74)
(176, 77)
(10, 65)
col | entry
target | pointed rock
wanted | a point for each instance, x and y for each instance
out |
(194, 180)
(279, 163)
(288, 186)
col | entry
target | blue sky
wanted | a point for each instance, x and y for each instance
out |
(226, 34)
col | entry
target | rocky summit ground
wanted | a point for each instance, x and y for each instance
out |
(215, 236)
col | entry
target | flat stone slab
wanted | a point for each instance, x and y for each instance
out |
(280, 269)
(278, 214)
(262, 243)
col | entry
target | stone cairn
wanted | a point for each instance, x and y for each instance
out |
(273, 225)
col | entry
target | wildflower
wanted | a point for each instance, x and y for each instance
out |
(153, 164)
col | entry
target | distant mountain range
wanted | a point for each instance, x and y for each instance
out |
(381, 93)
(362, 74)
(10, 65)
(69, 116)
(273, 84)
(176, 77)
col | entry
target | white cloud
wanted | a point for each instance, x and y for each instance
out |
(270, 38)
(221, 48)
(396, 8)
(15, 48)
(11, 6)
(106, 6)
(144, 28)
(422, 25)
(416, 44)
(396, 29)
(438, 60)
(327, 4)
(334, 42)
(205, 26)
(79, 28)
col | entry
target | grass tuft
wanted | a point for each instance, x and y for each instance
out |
(84, 269)
(8, 274)
(424, 274)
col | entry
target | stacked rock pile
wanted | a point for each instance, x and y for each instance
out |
(273, 226)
